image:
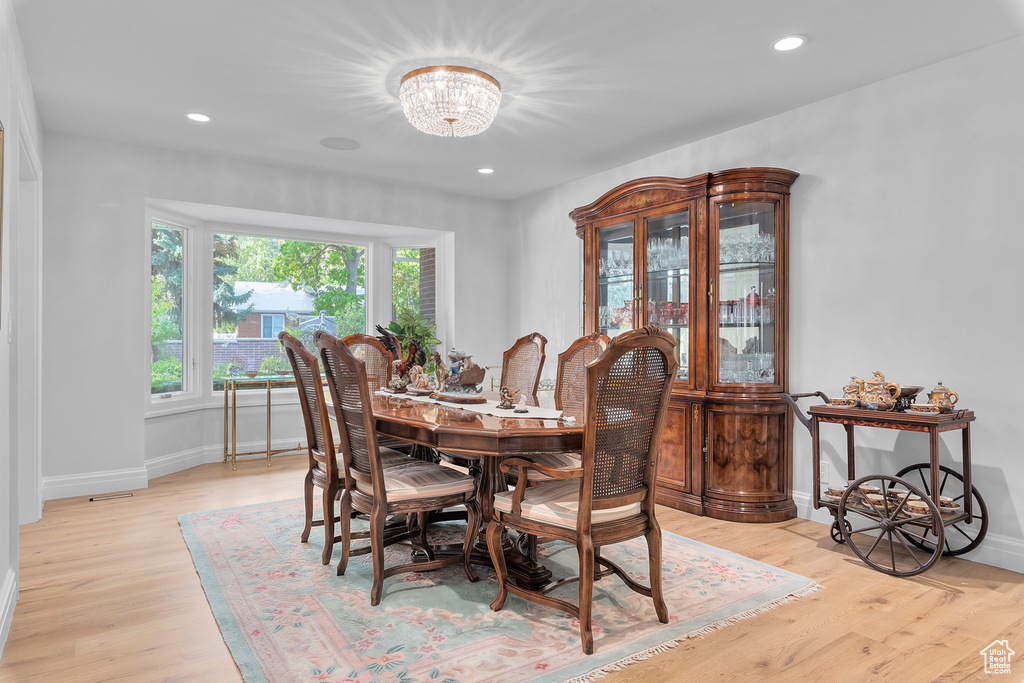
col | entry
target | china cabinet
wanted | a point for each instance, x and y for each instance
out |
(705, 258)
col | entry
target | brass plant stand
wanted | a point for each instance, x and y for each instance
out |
(230, 424)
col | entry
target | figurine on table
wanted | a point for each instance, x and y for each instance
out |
(506, 395)
(521, 406)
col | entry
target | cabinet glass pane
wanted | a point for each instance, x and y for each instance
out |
(668, 280)
(746, 293)
(615, 279)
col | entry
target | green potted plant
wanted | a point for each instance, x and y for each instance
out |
(270, 365)
(413, 325)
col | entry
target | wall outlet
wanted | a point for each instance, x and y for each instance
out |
(823, 470)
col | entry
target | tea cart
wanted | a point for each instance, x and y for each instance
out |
(899, 524)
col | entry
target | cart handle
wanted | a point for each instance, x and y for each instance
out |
(791, 400)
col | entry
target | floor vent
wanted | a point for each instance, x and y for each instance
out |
(110, 496)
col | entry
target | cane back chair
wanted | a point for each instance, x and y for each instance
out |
(323, 472)
(521, 365)
(414, 489)
(571, 380)
(609, 498)
(375, 357)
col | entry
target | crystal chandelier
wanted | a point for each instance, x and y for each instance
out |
(451, 101)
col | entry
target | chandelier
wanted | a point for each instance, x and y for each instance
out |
(451, 101)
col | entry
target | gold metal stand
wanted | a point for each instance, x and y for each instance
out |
(231, 406)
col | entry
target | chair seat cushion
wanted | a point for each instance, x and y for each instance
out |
(558, 502)
(420, 479)
(390, 458)
(553, 460)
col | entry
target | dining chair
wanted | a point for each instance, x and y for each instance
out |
(379, 364)
(570, 396)
(521, 365)
(413, 489)
(609, 498)
(323, 471)
(571, 380)
(375, 357)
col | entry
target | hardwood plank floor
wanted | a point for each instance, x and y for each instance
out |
(109, 593)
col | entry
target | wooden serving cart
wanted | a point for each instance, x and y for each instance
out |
(899, 524)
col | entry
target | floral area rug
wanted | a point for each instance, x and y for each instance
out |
(287, 618)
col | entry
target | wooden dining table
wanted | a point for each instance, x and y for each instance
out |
(488, 440)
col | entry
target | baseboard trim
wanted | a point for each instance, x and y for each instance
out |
(183, 460)
(8, 599)
(94, 483)
(996, 550)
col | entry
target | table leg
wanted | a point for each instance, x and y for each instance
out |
(234, 425)
(268, 423)
(225, 420)
(815, 459)
(526, 572)
(851, 468)
(968, 490)
(933, 458)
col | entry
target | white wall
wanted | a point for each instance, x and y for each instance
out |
(906, 246)
(95, 194)
(21, 139)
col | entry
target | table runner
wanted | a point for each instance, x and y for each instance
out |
(488, 408)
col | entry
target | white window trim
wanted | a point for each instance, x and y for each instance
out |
(263, 317)
(190, 389)
(198, 290)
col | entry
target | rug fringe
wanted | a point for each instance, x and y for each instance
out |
(603, 671)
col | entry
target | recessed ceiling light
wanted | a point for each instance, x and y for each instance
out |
(485, 171)
(340, 143)
(196, 116)
(789, 43)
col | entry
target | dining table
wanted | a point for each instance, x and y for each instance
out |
(487, 440)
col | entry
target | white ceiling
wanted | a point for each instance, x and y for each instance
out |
(587, 84)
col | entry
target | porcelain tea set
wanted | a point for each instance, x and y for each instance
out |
(879, 394)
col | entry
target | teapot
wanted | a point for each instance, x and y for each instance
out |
(943, 397)
(879, 394)
(854, 390)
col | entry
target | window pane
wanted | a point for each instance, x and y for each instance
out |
(412, 282)
(167, 276)
(264, 285)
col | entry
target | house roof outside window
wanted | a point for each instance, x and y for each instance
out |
(274, 297)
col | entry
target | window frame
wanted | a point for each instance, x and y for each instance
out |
(263, 325)
(189, 246)
(198, 290)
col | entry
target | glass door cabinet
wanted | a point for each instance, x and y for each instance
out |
(705, 258)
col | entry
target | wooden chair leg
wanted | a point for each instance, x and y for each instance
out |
(330, 494)
(421, 520)
(494, 531)
(653, 536)
(586, 604)
(307, 498)
(377, 520)
(472, 527)
(346, 530)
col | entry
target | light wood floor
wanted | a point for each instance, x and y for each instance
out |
(109, 593)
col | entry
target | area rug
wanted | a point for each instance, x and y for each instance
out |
(287, 618)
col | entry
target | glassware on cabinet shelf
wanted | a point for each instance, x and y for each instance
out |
(747, 248)
(747, 368)
(667, 254)
(616, 263)
(746, 289)
(615, 290)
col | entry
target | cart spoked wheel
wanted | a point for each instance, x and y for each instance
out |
(959, 537)
(835, 533)
(879, 528)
